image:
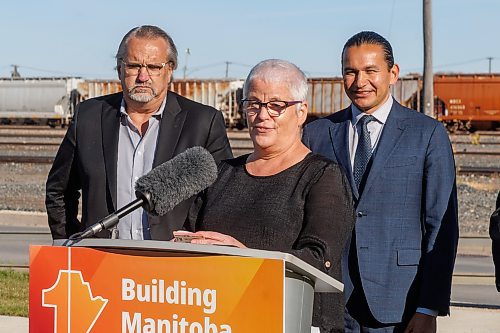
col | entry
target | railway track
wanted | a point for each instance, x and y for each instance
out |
(481, 143)
(27, 127)
(461, 169)
(237, 143)
(29, 143)
(477, 152)
(30, 140)
(46, 136)
(31, 135)
(26, 159)
(464, 169)
(479, 133)
(61, 131)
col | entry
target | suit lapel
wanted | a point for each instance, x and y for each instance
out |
(389, 139)
(340, 142)
(171, 126)
(110, 127)
(339, 136)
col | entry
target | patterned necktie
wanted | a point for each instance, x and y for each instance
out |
(363, 150)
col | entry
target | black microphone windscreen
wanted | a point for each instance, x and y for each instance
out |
(177, 179)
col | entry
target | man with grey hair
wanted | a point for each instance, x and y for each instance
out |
(115, 139)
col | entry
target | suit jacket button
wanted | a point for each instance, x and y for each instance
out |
(328, 264)
(360, 214)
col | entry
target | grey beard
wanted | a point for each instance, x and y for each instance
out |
(141, 97)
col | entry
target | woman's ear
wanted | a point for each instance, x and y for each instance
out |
(302, 113)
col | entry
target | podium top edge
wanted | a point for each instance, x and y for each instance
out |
(322, 281)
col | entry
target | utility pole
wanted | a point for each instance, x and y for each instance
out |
(15, 72)
(489, 66)
(227, 68)
(428, 106)
(188, 52)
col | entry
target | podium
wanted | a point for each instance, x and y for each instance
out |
(103, 285)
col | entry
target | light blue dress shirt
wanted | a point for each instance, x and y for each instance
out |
(135, 159)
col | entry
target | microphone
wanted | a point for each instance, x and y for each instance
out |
(164, 187)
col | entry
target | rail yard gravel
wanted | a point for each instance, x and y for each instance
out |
(22, 188)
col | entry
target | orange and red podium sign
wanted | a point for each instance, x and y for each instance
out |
(79, 290)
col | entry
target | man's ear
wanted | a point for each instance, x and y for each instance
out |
(119, 71)
(394, 71)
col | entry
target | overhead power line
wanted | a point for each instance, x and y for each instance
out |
(462, 62)
(453, 64)
(56, 72)
(217, 64)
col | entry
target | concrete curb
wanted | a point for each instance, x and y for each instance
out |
(462, 319)
(468, 319)
(13, 324)
(474, 246)
(24, 219)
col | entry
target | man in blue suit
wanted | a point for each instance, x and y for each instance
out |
(398, 267)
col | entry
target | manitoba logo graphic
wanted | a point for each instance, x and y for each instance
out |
(75, 309)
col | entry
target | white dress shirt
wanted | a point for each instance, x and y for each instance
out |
(374, 127)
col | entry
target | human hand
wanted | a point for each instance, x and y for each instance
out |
(183, 236)
(216, 238)
(421, 323)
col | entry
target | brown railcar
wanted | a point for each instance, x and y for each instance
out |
(469, 101)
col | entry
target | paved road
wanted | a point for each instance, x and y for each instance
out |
(14, 249)
(473, 281)
(474, 295)
(474, 264)
(461, 320)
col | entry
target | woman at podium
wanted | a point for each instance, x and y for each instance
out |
(281, 197)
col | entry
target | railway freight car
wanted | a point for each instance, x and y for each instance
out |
(46, 101)
(468, 101)
(222, 94)
(325, 96)
(51, 101)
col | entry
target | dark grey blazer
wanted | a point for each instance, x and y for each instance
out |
(406, 228)
(87, 160)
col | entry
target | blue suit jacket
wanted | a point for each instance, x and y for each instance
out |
(406, 228)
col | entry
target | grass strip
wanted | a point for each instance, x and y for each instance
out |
(14, 292)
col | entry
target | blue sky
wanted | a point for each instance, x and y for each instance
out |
(80, 38)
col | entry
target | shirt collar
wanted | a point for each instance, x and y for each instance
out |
(380, 114)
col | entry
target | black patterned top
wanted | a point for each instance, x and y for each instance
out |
(305, 210)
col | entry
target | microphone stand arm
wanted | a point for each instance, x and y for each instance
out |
(112, 220)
